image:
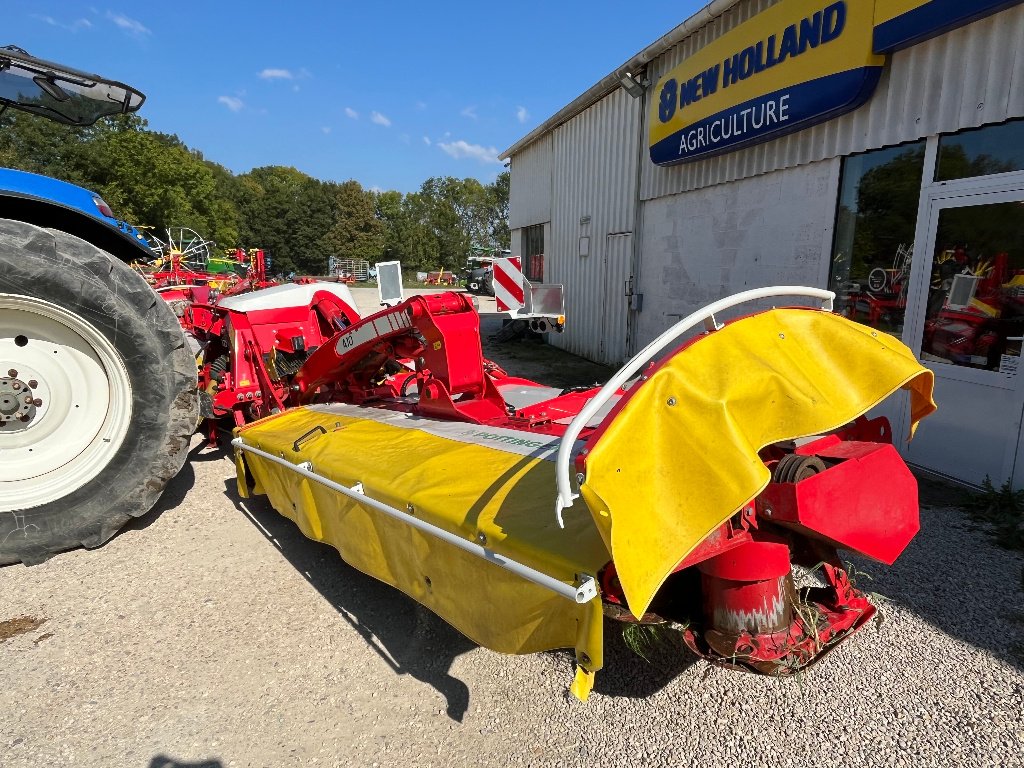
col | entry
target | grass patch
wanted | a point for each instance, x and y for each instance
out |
(647, 640)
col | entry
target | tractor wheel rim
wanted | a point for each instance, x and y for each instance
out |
(80, 408)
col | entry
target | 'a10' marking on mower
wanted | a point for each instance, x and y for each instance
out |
(364, 333)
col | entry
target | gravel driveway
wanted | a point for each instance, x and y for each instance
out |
(211, 633)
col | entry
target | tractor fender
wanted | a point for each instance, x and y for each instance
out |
(53, 204)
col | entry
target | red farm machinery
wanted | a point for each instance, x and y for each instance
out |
(708, 467)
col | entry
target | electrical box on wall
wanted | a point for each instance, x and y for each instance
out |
(636, 300)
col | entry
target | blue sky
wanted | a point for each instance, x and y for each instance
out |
(387, 93)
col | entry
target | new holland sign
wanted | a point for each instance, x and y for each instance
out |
(799, 63)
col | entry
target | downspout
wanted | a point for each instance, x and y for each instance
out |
(632, 321)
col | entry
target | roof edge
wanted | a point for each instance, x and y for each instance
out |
(610, 82)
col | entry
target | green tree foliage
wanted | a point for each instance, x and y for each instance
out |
(154, 180)
(287, 213)
(357, 232)
(497, 201)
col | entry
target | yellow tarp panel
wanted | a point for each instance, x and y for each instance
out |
(664, 476)
(461, 485)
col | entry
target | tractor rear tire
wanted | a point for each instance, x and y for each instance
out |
(98, 395)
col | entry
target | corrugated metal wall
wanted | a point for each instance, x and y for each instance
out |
(970, 76)
(530, 195)
(593, 192)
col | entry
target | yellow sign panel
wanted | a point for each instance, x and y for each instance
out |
(795, 64)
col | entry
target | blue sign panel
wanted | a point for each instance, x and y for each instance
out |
(902, 23)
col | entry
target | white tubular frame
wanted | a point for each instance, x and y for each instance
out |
(582, 593)
(705, 316)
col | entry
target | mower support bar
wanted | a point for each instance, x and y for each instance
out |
(584, 592)
(705, 316)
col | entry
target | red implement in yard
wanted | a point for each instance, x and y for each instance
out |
(705, 475)
(249, 345)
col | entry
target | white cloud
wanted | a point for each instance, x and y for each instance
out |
(351, 113)
(376, 190)
(231, 102)
(129, 25)
(427, 141)
(74, 26)
(380, 119)
(462, 149)
(522, 115)
(277, 74)
(405, 138)
(326, 129)
(470, 112)
(421, 105)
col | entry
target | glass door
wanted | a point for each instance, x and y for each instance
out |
(965, 320)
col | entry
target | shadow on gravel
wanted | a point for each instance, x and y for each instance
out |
(531, 358)
(956, 578)
(408, 637)
(177, 489)
(162, 761)
(627, 675)
(414, 641)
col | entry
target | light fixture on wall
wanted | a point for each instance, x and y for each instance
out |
(634, 85)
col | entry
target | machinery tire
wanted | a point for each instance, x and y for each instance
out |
(120, 381)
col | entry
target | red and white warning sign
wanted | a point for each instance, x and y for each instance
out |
(508, 283)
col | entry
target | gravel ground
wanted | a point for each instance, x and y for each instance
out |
(211, 633)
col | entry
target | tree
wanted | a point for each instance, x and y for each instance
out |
(357, 232)
(153, 179)
(287, 213)
(497, 201)
(153, 182)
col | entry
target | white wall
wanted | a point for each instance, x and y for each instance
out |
(517, 242)
(704, 245)
(594, 167)
(530, 192)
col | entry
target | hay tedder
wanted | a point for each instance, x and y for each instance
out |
(708, 466)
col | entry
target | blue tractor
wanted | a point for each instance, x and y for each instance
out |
(98, 396)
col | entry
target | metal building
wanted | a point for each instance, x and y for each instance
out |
(871, 146)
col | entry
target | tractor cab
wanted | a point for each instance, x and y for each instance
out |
(60, 93)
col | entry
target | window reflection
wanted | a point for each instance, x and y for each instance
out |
(976, 296)
(982, 151)
(878, 202)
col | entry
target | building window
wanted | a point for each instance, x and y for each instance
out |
(975, 314)
(879, 193)
(533, 253)
(982, 151)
